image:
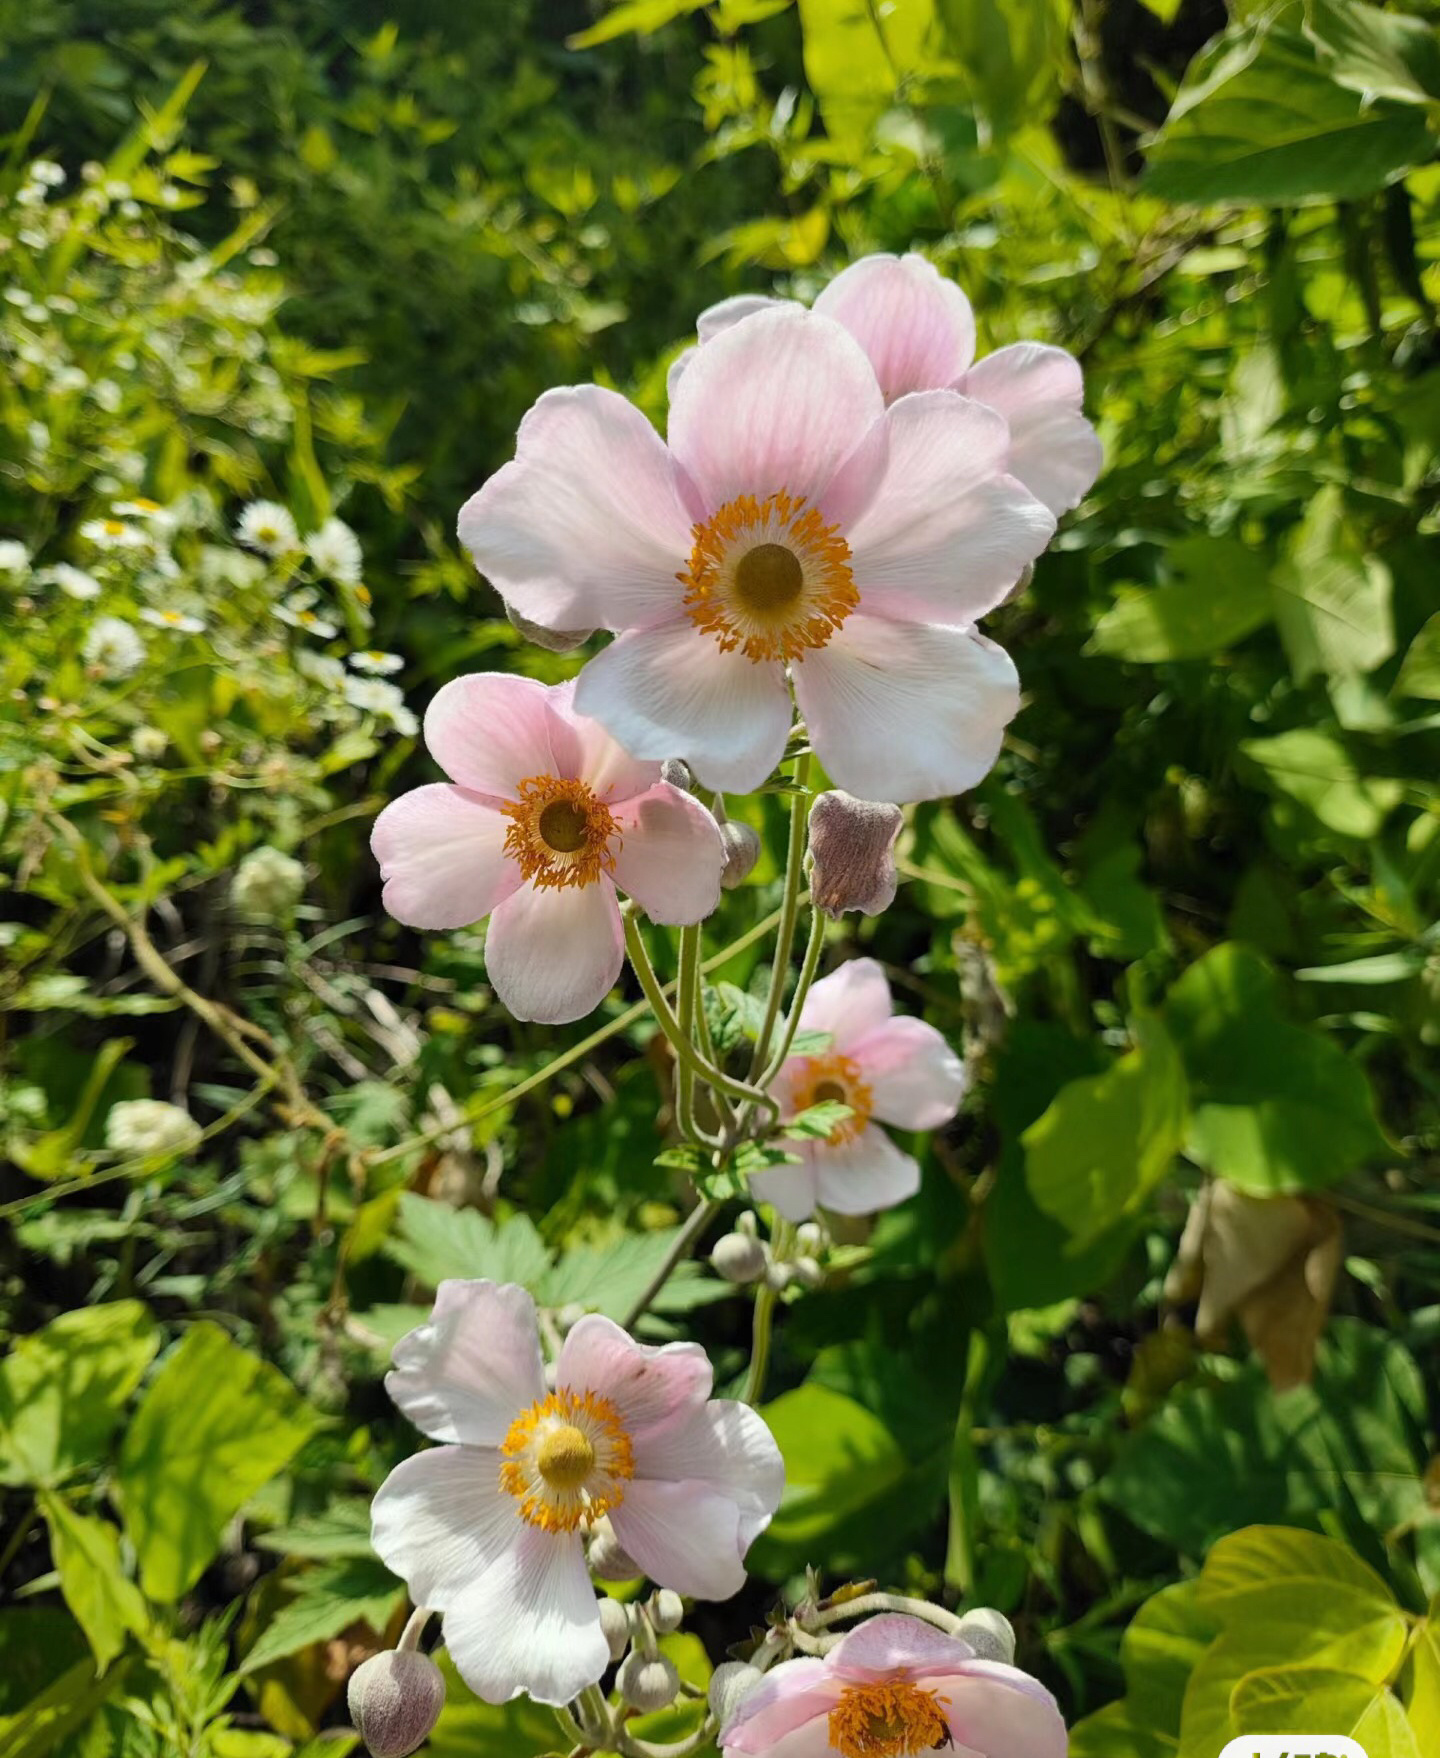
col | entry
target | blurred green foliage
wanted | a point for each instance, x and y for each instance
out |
(315, 255)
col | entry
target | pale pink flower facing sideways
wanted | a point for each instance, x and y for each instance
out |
(887, 1068)
(918, 331)
(543, 816)
(896, 1687)
(487, 1528)
(791, 530)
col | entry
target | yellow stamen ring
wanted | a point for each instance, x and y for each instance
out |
(769, 577)
(566, 1460)
(890, 1719)
(834, 1079)
(560, 832)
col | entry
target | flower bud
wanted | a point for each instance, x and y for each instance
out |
(810, 1237)
(150, 1126)
(667, 1611)
(742, 850)
(615, 1626)
(989, 1634)
(779, 1276)
(808, 1272)
(647, 1683)
(739, 1258)
(552, 640)
(677, 773)
(748, 1223)
(267, 883)
(852, 846)
(395, 1700)
(730, 1684)
(608, 1558)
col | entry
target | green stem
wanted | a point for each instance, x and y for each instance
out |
(811, 964)
(680, 1043)
(789, 909)
(765, 1299)
(699, 1219)
(17, 1538)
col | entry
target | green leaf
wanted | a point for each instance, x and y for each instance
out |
(63, 1389)
(607, 1278)
(343, 1530)
(327, 1600)
(639, 17)
(839, 1461)
(437, 1242)
(1378, 54)
(1332, 601)
(1219, 596)
(1266, 1577)
(1420, 669)
(1105, 1142)
(215, 1426)
(519, 1729)
(1292, 1700)
(1010, 52)
(107, 1605)
(852, 68)
(1162, 1645)
(1316, 772)
(1385, 967)
(1257, 119)
(1277, 1106)
(1424, 1704)
(59, 1711)
(817, 1122)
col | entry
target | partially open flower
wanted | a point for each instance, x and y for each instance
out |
(487, 1527)
(887, 1069)
(1271, 1262)
(896, 1687)
(852, 843)
(395, 1700)
(793, 529)
(543, 817)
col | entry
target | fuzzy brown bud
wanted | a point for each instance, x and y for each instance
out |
(742, 850)
(852, 845)
(677, 773)
(647, 1682)
(395, 1700)
(552, 640)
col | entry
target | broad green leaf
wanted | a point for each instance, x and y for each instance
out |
(1332, 601)
(1106, 1142)
(1258, 119)
(1420, 669)
(519, 1729)
(1378, 54)
(839, 1459)
(216, 1425)
(437, 1242)
(107, 1605)
(1218, 595)
(1116, 1732)
(1011, 53)
(639, 16)
(1296, 1700)
(1161, 1647)
(852, 68)
(1277, 1106)
(343, 1530)
(1423, 1707)
(327, 1600)
(62, 1390)
(59, 1710)
(1315, 771)
(608, 1278)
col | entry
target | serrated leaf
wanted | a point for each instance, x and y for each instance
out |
(817, 1122)
(608, 1279)
(1315, 771)
(216, 1425)
(327, 1600)
(343, 1530)
(436, 1243)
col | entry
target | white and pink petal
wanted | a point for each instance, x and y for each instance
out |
(916, 326)
(442, 857)
(1039, 390)
(473, 1366)
(671, 855)
(489, 731)
(652, 1386)
(441, 1522)
(864, 1175)
(916, 1080)
(553, 954)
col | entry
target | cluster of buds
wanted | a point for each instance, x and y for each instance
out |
(646, 1679)
(743, 1256)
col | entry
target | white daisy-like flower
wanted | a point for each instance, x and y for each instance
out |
(323, 668)
(14, 557)
(175, 620)
(46, 171)
(74, 582)
(375, 663)
(267, 526)
(300, 616)
(113, 534)
(114, 646)
(142, 507)
(375, 696)
(335, 551)
(150, 1126)
(149, 742)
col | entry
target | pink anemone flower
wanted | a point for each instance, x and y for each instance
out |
(919, 333)
(793, 531)
(896, 1687)
(487, 1527)
(887, 1069)
(543, 816)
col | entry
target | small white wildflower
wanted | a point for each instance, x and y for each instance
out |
(172, 619)
(335, 551)
(267, 883)
(230, 568)
(376, 664)
(311, 622)
(267, 526)
(112, 534)
(14, 557)
(150, 1126)
(74, 582)
(323, 668)
(149, 742)
(114, 646)
(376, 696)
(107, 394)
(46, 171)
(68, 378)
(142, 507)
